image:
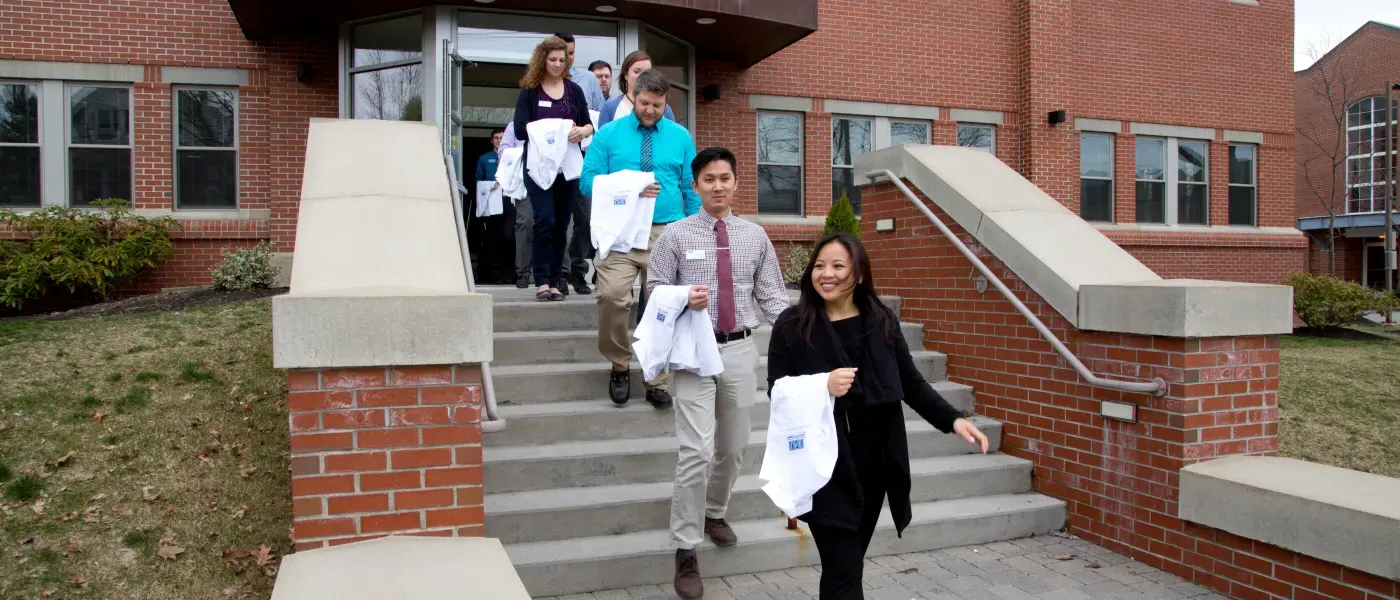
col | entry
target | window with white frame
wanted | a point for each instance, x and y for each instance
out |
(386, 69)
(1096, 177)
(1243, 185)
(206, 148)
(982, 137)
(1172, 181)
(20, 177)
(1366, 140)
(780, 163)
(852, 136)
(99, 143)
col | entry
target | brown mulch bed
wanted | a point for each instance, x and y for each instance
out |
(162, 302)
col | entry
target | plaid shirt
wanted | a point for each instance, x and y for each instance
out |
(676, 259)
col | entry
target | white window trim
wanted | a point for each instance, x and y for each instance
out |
(1253, 176)
(1170, 174)
(68, 137)
(1112, 162)
(39, 94)
(993, 149)
(1369, 156)
(176, 148)
(801, 159)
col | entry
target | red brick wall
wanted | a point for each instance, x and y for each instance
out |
(1119, 480)
(1251, 258)
(380, 451)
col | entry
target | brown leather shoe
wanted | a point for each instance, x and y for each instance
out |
(688, 583)
(720, 532)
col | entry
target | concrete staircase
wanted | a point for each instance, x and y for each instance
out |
(580, 489)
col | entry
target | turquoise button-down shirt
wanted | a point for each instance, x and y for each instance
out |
(618, 147)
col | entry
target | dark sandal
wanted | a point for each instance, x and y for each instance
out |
(556, 296)
(544, 296)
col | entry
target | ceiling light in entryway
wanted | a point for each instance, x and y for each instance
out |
(485, 1)
(606, 8)
(705, 21)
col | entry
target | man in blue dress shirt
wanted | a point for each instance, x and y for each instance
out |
(641, 141)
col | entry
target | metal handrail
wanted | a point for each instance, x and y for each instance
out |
(1156, 387)
(493, 421)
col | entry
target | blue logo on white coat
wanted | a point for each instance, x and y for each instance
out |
(660, 316)
(797, 442)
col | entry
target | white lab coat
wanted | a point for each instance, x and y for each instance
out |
(592, 115)
(672, 337)
(488, 199)
(510, 173)
(621, 219)
(801, 448)
(551, 152)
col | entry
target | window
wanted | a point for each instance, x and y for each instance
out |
(206, 148)
(1172, 181)
(19, 145)
(1096, 177)
(673, 58)
(99, 143)
(780, 163)
(852, 136)
(982, 137)
(849, 138)
(1366, 139)
(386, 69)
(1242, 184)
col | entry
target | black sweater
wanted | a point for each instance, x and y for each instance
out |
(529, 100)
(871, 440)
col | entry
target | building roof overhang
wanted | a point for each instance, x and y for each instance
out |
(1354, 221)
(743, 32)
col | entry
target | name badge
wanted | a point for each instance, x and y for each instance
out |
(695, 255)
(546, 104)
(619, 200)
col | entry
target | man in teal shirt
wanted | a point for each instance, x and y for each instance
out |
(642, 141)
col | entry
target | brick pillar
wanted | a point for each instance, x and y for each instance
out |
(1049, 153)
(1124, 178)
(385, 450)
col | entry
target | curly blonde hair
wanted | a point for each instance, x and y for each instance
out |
(535, 73)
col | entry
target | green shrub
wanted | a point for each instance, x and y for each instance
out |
(842, 218)
(1323, 301)
(797, 259)
(85, 252)
(246, 269)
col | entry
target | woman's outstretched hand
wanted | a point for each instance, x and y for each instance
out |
(839, 381)
(967, 431)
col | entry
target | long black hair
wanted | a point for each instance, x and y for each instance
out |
(811, 308)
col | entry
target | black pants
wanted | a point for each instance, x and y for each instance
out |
(552, 207)
(843, 551)
(581, 244)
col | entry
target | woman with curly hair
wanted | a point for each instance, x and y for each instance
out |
(547, 93)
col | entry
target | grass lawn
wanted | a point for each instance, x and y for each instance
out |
(1339, 401)
(142, 457)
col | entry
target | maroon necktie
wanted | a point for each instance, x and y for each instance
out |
(725, 268)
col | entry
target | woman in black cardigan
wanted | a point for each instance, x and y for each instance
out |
(547, 93)
(839, 326)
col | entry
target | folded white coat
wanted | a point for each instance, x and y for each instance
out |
(621, 218)
(551, 152)
(488, 199)
(510, 173)
(672, 337)
(801, 447)
(593, 116)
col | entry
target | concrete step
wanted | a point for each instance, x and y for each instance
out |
(539, 347)
(600, 419)
(553, 382)
(578, 565)
(516, 310)
(532, 467)
(565, 513)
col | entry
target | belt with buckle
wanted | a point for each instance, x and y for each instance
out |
(725, 338)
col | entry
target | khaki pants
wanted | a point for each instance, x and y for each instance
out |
(616, 274)
(712, 426)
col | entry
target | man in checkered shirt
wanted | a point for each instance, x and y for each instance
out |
(733, 273)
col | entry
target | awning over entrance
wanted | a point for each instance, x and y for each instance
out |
(742, 31)
(1356, 221)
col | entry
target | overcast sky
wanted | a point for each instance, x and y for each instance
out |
(1316, 21)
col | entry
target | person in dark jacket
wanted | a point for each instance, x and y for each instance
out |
(841, 327)
(547, 93)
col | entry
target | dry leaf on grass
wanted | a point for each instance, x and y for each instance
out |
(62, 461)
(169, 552)
(233, 555)
(126, 556)
(238, 514)
(149, 494)
(49, 592)
(72, 549)
(78, 582)
(37, 507)
(98, 416)
(92, 514)
(97, 497)
(247, 472)
(262, 556)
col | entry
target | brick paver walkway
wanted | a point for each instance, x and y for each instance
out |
(1040, 568)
